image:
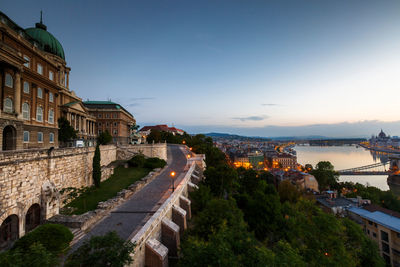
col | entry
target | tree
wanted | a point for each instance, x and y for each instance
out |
(308, 167)
(107, 250)
(325, 174)
(65, 131)
(35, 256)
(104, 138)
(96, 167)
(155, 136)
(288, 192)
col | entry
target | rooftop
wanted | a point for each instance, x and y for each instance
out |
(378, 217)
(104, 105)
(334, 202)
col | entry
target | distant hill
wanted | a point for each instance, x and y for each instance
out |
(281, 138)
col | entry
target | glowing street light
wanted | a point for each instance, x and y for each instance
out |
(172, 174)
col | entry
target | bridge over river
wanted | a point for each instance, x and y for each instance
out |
(371, 169)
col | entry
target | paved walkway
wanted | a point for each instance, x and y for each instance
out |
(128, 218)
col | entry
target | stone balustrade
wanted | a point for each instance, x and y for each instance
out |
(159, 238)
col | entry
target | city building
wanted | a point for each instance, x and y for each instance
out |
(112, 117)
(382, 226)
(284, 160)
(34, 88)
(146, 130)
(384, 141)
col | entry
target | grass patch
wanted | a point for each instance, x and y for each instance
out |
(121, 179)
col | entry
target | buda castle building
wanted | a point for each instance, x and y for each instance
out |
(34, 89)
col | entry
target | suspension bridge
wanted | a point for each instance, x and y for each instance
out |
(371, 169)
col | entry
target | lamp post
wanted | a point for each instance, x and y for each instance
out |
(172, 174)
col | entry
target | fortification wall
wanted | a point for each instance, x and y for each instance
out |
(149, 150)
(36, 177)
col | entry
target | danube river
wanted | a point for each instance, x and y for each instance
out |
(344, 157)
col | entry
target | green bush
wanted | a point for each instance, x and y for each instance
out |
(35, 256)
(137, 161)
(54, 238)
(153, 163)
(107, 250)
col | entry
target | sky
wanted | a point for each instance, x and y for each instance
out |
(257, 68)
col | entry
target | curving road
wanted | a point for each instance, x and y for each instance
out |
(128, 218)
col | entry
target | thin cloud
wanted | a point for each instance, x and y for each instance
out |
(141, 98)
(270, 105)
(251, 118)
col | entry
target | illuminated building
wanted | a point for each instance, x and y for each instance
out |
(34, 89)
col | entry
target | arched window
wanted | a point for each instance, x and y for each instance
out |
(8, 105)
(9, 80)
(39, 92)
(25, 111)
(39, 114)
(51, 116)
(26, 87)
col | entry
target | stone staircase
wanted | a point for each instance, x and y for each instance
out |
(78, 234)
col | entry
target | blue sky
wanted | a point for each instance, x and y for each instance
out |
(263, 68)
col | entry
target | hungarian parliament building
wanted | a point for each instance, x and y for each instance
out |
(383, 140)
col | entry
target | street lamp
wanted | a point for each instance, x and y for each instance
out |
(172, 180)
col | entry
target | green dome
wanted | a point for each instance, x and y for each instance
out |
(47, 42)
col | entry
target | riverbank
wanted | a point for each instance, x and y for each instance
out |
(384, 150)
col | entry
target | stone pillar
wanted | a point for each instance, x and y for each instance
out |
(195, 179)
(170, 236)
(17, 94)
(156, 254)
(186, 205)
(179, 217)
(192, 187)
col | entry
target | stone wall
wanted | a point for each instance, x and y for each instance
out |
(149, 150)
(30, 177)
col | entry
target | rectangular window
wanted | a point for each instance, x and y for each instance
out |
(115, 115)
(115, 132)
(51, 137)
(26, 136)
(99, 124)
(51, 97)
(115, 124)
(51, 75)
(51, 116)
(374, 234)
(107, 115)
(99, 115)
(40, 92)
(385, 247)
(26, 87)
(100, 131)
(40, 137)
(384, 236)
(28, 63)
(39, 69)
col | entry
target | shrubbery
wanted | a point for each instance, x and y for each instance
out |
(107, 250)
(153, 163)
(149, 163)
(35, 256)
(137, 161)
(54, 237)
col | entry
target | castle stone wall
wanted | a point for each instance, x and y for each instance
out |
(36, 177)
